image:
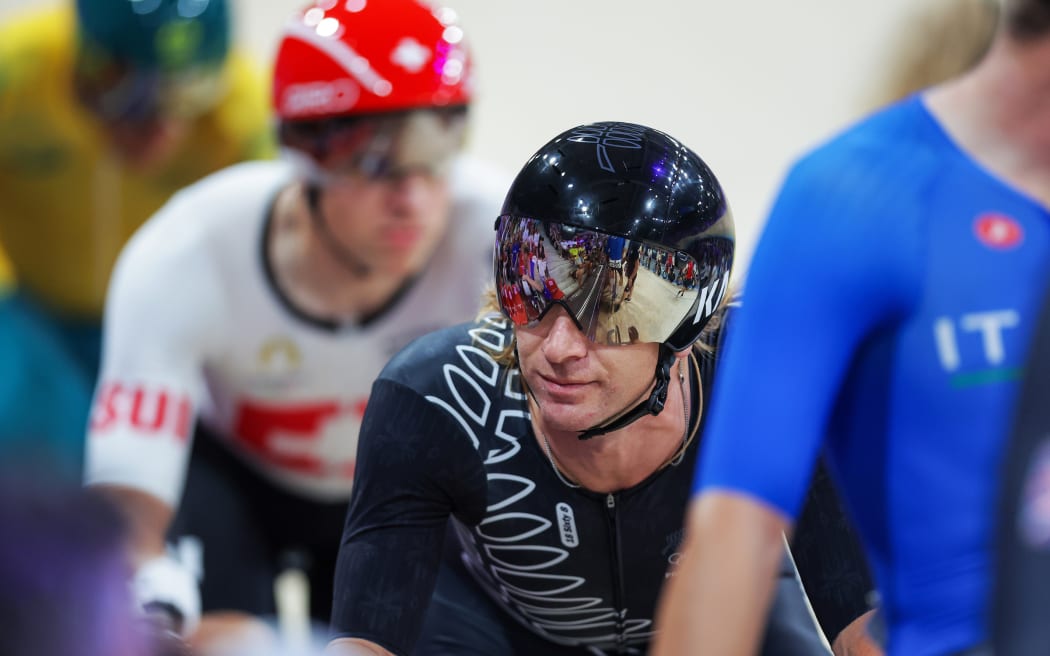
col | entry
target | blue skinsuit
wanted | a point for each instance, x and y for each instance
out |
(886, 319)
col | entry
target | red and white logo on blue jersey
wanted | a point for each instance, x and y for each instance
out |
(998, 231)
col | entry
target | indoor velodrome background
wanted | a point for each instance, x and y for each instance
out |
(748, 85)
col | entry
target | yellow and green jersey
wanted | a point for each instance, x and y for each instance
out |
(69, 203)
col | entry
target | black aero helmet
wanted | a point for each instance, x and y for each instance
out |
(625, 228)
(603, 198)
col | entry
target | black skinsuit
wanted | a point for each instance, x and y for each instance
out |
(447, 433)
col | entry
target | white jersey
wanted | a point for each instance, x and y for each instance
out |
(195, 328)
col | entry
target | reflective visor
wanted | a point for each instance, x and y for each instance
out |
(617, 290)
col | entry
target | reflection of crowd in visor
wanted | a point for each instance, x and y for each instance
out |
(612, 286)
(586, 251)
(590, 253)
(529, 281)
(525, 273)
(672, 266)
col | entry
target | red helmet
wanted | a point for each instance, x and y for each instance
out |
(349, 57)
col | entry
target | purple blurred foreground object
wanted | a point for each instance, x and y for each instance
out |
(63, 572)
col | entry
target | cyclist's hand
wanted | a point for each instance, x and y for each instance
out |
(164, 588)
(160, 634)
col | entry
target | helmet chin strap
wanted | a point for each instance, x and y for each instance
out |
(350, 262)
(650, 406)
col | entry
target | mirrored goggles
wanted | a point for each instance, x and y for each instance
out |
(617, 290)
(381, 147)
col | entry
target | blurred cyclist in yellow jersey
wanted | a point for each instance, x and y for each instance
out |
(107, 107)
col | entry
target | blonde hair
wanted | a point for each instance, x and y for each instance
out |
(938, 40)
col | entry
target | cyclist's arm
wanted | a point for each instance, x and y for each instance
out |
(415, 469)
(739, 576)
(831, 559)
(160, 307)
(777, 385)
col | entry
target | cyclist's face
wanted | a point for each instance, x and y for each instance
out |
(392, 223)
(577, 381)
(148, 143)
(144, 113)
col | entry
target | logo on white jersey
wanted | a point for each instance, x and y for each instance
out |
(316, 438)
(145, 409)
(567, 525)
(279, 355)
